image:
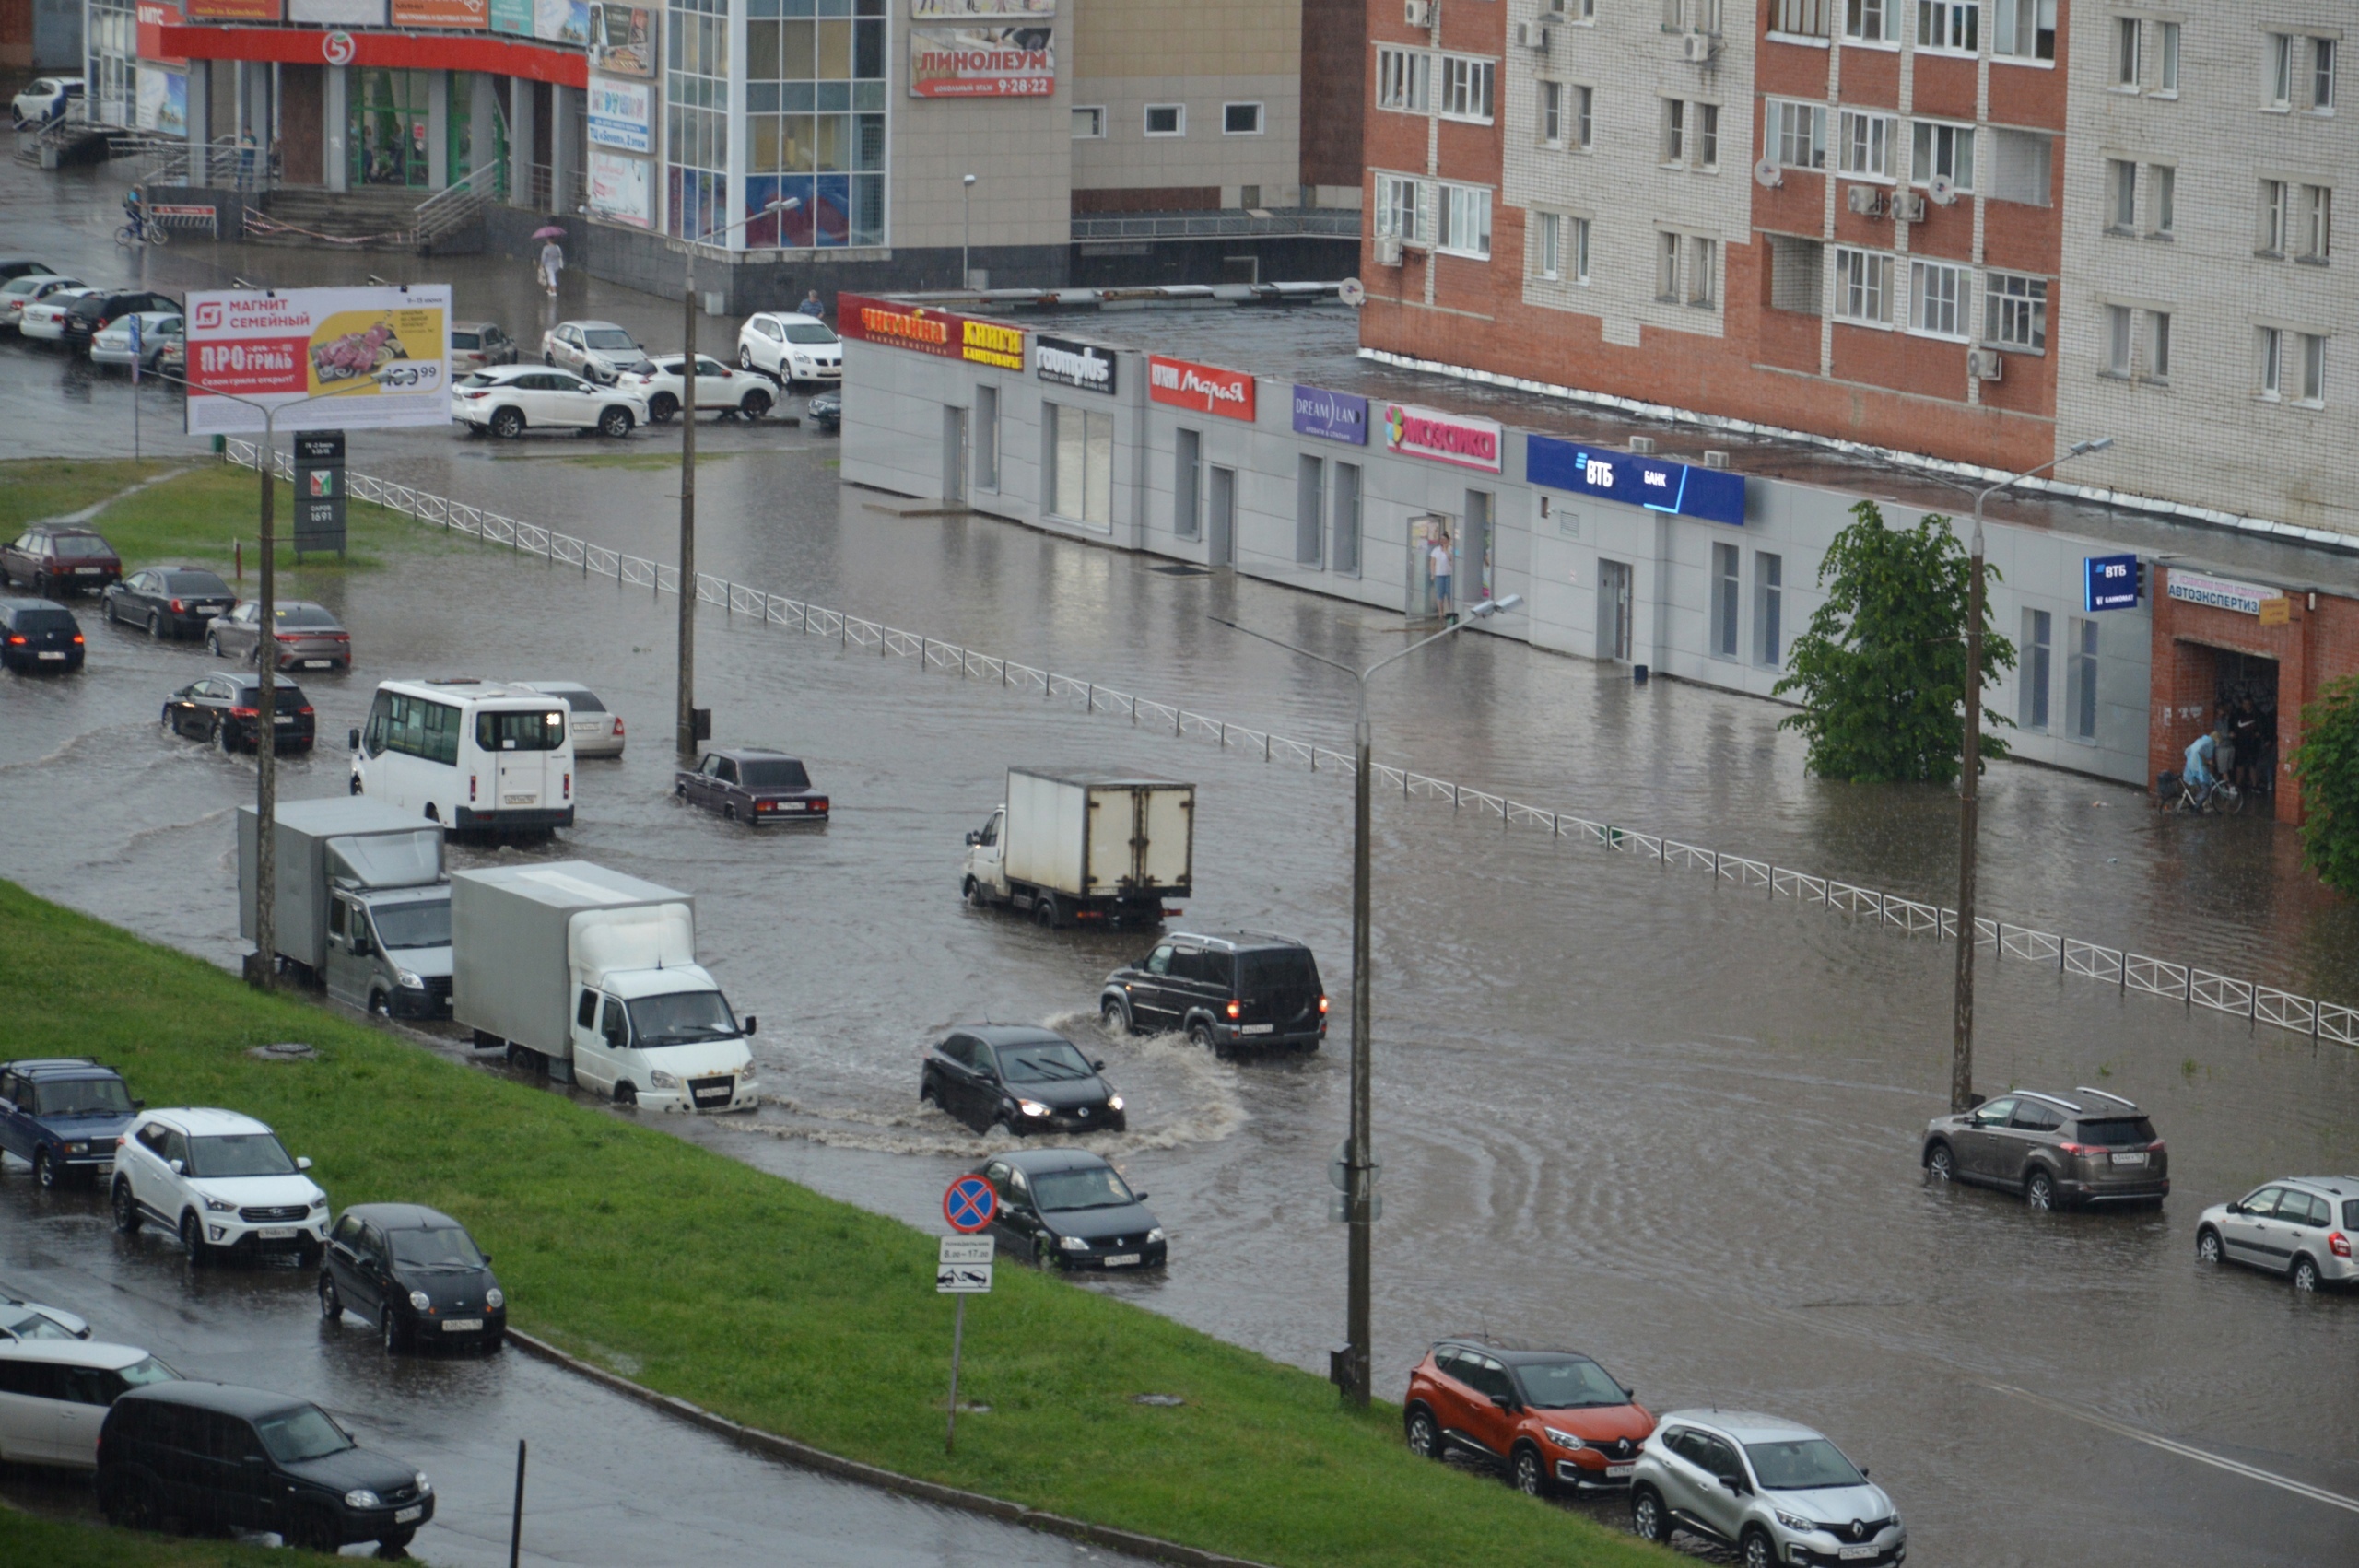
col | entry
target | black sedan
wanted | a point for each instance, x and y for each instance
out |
(38, 637)
(227, 709)
(416, 1274)
(825, 411)
(1068, 1209)
(1018, 1079)
(752, 785)
(171, 602)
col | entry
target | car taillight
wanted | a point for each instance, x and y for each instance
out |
(2156, 1147)
(305, 710)
(2079, 1149)
(820, 805)
(2338, 1243)
(1234, 1009)
(60, 569)
(471, 786)
(1323, 1004)
(289, 636)
(569, 787)
(16, 641)
(244, 712)
(618, 726)
(340, 637)
(177, 607)
(77, 637)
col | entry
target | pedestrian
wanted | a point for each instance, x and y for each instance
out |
(552, 262)
(2244, 736)
(1437, 563)
(245, 160)
(811, 306)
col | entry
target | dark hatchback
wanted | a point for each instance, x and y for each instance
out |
(752, 785)
(38, 638)
(415, 1274)
(61, 1115)
(1244, 991)
(1018, 1077)
(226, 709)
(169, 602)
(51, 558)
(93, 312)
(1069, 1209)
(214, 1457)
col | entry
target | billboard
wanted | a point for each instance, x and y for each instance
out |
(1658, 484)
(2109, 582)
(961, 10)
(562, 21)
(337, 13)
(926, 330)
(622, 40)
(983, 61)
(1204, 389)
(1071, 364)
(441, 13)
(622, 115)
(333, 358)
(163, 100)
(619, 191)
(233, 10)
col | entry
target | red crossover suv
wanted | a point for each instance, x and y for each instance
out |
(1552, 1420)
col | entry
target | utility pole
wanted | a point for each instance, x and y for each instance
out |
(264, 970)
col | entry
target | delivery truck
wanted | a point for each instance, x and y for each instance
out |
(592, 977)
(361, 908)
(1067, 847)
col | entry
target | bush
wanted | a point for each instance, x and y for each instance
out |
(2327, 763)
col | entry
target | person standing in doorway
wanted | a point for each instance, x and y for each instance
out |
(1438, 567)
(552, 262)
(811, 306)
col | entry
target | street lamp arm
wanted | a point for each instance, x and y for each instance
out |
(1291, 647)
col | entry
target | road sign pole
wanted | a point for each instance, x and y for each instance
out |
(957, 1346)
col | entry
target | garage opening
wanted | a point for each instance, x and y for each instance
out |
(2247, 697)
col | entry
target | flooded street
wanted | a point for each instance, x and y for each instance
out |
(1671, 1124)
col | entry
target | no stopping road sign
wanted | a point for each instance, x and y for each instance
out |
(969, 1204)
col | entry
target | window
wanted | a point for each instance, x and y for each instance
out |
(2293, 365)
(1240, 119)
(2273, 362)
(1724, 601)
(1167, 119)
(1946, 150)
(1548, 242)
(1344, 510)
(2117, 340)
(696, 149)
(1700, 271)
(1466, 89)
(1797, 275)
(2313, 367)
(2031, 709)
(1187, 482)
(2280, 86)
(2323, 74)
(2127, 32)
(2081, 678)
(1872, 21)
(1768, 608)
(2158, 346)
(1798, 132)
(1674, 131)
(1465, 220)
(1866, 147)
(1935, 293)
(2166, 79)
(1577, 248)
(815, 117)
(2021, 167)
(2274, 217)
(1584, 106)
(2318, 222)
(1862, 286)
(1404, 80)
(1552, 114)
(1952, 25)
(2120, 195)
(1403, 211)
(1708, 136)
(1309, 508)
(2023, 29)
(2164, 180)
(1081, 465)
(1803, 18)
(986, 445)
(1667, 266)
(1089, 124)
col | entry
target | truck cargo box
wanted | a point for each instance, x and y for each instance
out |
(512, 938)
(365, 842)
(1087, 837)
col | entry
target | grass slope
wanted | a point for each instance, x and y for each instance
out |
(28, 1540)
(197, 516)
(766, 1302)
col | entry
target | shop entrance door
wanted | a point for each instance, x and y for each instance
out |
(1426, 531)
(388, 129)
(2247, 711)
(1474, 583)
(954, 456)
(1614, 610)
(1220, 515)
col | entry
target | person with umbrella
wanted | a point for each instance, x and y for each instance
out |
(552, 256)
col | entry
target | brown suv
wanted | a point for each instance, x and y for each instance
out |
(2092, 1147)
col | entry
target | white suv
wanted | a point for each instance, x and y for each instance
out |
(508, 399)
(217, 1180)
(1773, 1490)
(789, 348)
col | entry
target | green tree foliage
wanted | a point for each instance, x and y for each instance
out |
(1882, 671)
(2327, 763)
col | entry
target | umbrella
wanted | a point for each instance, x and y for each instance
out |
(550, 232)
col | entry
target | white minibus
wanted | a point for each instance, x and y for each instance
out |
(468, 753)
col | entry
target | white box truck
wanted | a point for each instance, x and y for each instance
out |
(1067, 847)
(363, 907)
(593, 976)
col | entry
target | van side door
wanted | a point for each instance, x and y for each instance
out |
(601, 1065)
(30, 1390)
(1151, 1002)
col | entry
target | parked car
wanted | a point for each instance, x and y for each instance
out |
(753, 785)
(171, 354)
(1247, 989)
(1016, 1078)
(1550, 1421)
(93, 312)
(1069, 1209)
(415, 1274)
(599, 350)
(111, 344)
(54, 1396)
(2099, 1148)
(22, 1319)
(307, 637)
(61, 1115)
(46, 100)
(2300, 1226)
(474, 344)
(221, 1182)
(226, 709)
(1772, 1490)
(597, 731)
(511, 399)
(59, 558)
(171, 602)
(720, 390)
(14, 267)
(44, 320)
(39, 636)
(19, 292)
(825, 411)
(223, 1457)
(789, 347)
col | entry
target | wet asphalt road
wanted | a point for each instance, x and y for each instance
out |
(1672, 1125)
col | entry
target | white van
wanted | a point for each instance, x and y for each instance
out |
(54, 1395)
(468, 753)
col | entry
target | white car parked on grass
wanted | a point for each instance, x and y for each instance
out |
(45, 319)
(219, 1181)
(506, 400)
(789, 348)
(54, 1395)
(720, 390)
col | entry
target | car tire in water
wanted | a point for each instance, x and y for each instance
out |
(390, 1332)
(756, 404)
(1200, 1033)
(1044, 912)
(614, 424)
(1043, 1255)
(227, 737)
(2040, 1190)
(127, 1218)
(2206, 1246)
(155, 628)
(330, 1299)
(1941, 1163)
(1649, 1519)
(746, 359)
(1116, 1017)
(1423, 1435)
(192, 1240)
(212, 644)
(508, 424)
(46, 1169)
(2304, 1275)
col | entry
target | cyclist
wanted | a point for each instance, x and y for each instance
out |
(137, 211)
(2198, 771)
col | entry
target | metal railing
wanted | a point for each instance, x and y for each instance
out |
(1341, 223)
(2068, 957)
(455, 206)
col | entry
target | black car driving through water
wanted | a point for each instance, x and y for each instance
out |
(1020, 1079)
(226, 707)
(1069, 1209)
(171, 602)
(38, 638)
(1244, 991)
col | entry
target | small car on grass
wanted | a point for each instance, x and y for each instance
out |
(62, 1116)
(1549, 1421)
(416, 1274)
(1770, 1490)
(1018, 1079)
(1069, 1209)
(753, 785)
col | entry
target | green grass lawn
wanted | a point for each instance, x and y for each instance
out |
(767, 1303)
(51, 1544)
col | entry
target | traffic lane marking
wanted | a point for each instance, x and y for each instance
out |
(2185, 1450)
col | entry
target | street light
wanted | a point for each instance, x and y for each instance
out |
(1968, 803)
(1359, 1163)
(685, 738)
(966, 231)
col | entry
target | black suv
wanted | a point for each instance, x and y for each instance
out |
(2089, 1148)
(213, 1457)
(1246, 989)
(93, 313)
(38, 637)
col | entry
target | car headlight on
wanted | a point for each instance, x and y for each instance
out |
(660, 1079)
(82, 1147)
(1113, 1102)
(425, 1486)
(410, 981)
(1073, 1244)
(422, 1302)
(1794, 1522)
(1155, 1235)
(1562, 1439)
(495, 1297)
(361, 1497)
(1032, 1107)
(215, 1206)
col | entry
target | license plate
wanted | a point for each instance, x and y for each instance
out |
(1121, 1260)
(88, 572)
(518, 800)
(2137, 1159)
(410, 1516)
(59, 657)
(1859, 1554)
(1619, 1472)
(278, 1232)
(316, 664)
(1258, 1029)
(789, 806)
(284, 718)
(461, 1324)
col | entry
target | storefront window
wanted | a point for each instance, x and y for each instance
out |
(112, 44)
(815, 117)
(388, 127)
(696, 143)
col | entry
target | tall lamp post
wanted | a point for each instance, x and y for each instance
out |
(1968, 803)
(966, 231)
(686, 737)
(1359, 1158)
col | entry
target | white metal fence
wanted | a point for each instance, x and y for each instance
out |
(2184, 983)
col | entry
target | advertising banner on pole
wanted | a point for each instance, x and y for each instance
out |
(319, 491)
(327, 359)
(983, 61)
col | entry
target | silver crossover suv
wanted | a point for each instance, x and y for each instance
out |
(2300, 1227)
(1775, 1490)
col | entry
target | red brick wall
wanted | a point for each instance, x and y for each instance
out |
(1334, 94)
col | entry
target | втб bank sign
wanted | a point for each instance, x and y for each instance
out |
(325, 358)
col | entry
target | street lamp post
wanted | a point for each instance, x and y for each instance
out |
(1359, 1157)
(1968, 802)
(966, 231)
(684, 740)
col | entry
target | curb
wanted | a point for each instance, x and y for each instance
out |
(771, 1445)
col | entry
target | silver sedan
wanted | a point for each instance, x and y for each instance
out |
(597, 731)
(306, 637)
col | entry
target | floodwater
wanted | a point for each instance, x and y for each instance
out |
(1622, 1109)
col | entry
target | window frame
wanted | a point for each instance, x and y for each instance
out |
(1886, 16)
(1862, 261)
(1462, 75)
(1879, 139)
(2128, 42)
(1551, 113)
(1958, 24)
(1447, 193)
(2120, 195)
(2009, 15)
(1179, 121)
(1958, 299)
(1959, 134)
(1403, 79)
(1780, 118)
(1098, 121)
(1260, 118)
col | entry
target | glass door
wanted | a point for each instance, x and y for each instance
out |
(388, 129)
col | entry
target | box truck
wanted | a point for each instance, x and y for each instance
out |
(361, 905)
(592, 977)
(1066, 847)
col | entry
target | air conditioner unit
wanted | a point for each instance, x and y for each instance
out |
(1984, 364)
(1643, 445)
(1695, 48)
(1532, 36)
(1865, 200)
(1418, 13)
(1388, 251)
(1907, 206)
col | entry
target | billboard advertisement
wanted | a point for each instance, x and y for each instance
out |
(622, 115)
(441, 13)
(983, 61)
(1332, 415)
(1658, 484)
(330, 359)
(622, 40)
(150, 18)
(562, 21)
(1071, 364)
(337, 13)
(1204, 389)
(925, 330)
(962, 10)
(512, 16)
(619, 191)
(163, 100)
(1442, 438)
(233, 10)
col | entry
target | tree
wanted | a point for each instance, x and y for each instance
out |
(2327, 763)
(1882, 670)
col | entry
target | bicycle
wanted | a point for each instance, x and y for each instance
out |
(2219, 797)
(138, 233)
